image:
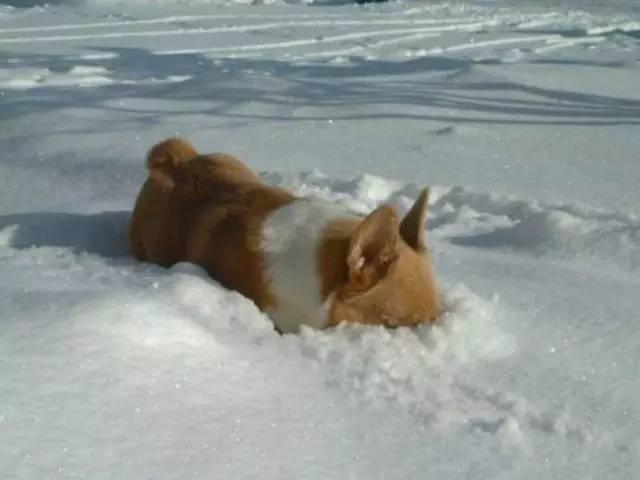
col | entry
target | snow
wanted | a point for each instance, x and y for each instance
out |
(521, 116)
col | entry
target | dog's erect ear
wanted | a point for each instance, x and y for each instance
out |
(373, 247)
(413, 223)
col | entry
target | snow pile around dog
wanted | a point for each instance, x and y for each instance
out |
(137, 341)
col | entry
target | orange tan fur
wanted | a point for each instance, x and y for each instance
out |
(394, 287)
(206, 210)
(211, 210)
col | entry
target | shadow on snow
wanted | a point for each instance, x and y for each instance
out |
(429, 88)
(103, 234)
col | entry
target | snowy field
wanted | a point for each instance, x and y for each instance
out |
(523, 117)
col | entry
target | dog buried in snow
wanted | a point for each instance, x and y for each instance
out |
(302, 261)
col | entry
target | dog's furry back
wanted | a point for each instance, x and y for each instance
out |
(203, 209)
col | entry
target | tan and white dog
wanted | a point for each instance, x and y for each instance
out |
(302, 261)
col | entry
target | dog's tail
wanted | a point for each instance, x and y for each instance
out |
(165, 160)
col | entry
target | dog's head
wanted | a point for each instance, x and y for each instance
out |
(389, 279)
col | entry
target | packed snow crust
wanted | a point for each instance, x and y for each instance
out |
(522, 119)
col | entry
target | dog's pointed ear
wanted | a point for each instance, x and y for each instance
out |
(373, 247)
(414, 222)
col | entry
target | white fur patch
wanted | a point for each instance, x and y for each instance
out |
(291, 236)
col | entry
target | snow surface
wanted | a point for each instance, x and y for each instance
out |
(523, 117)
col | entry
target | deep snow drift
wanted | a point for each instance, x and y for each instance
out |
(523, 120)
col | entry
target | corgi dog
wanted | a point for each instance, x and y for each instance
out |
(302, 261)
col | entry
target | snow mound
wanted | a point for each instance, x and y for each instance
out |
(426, 372)
(416, 369)
(571, 232)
